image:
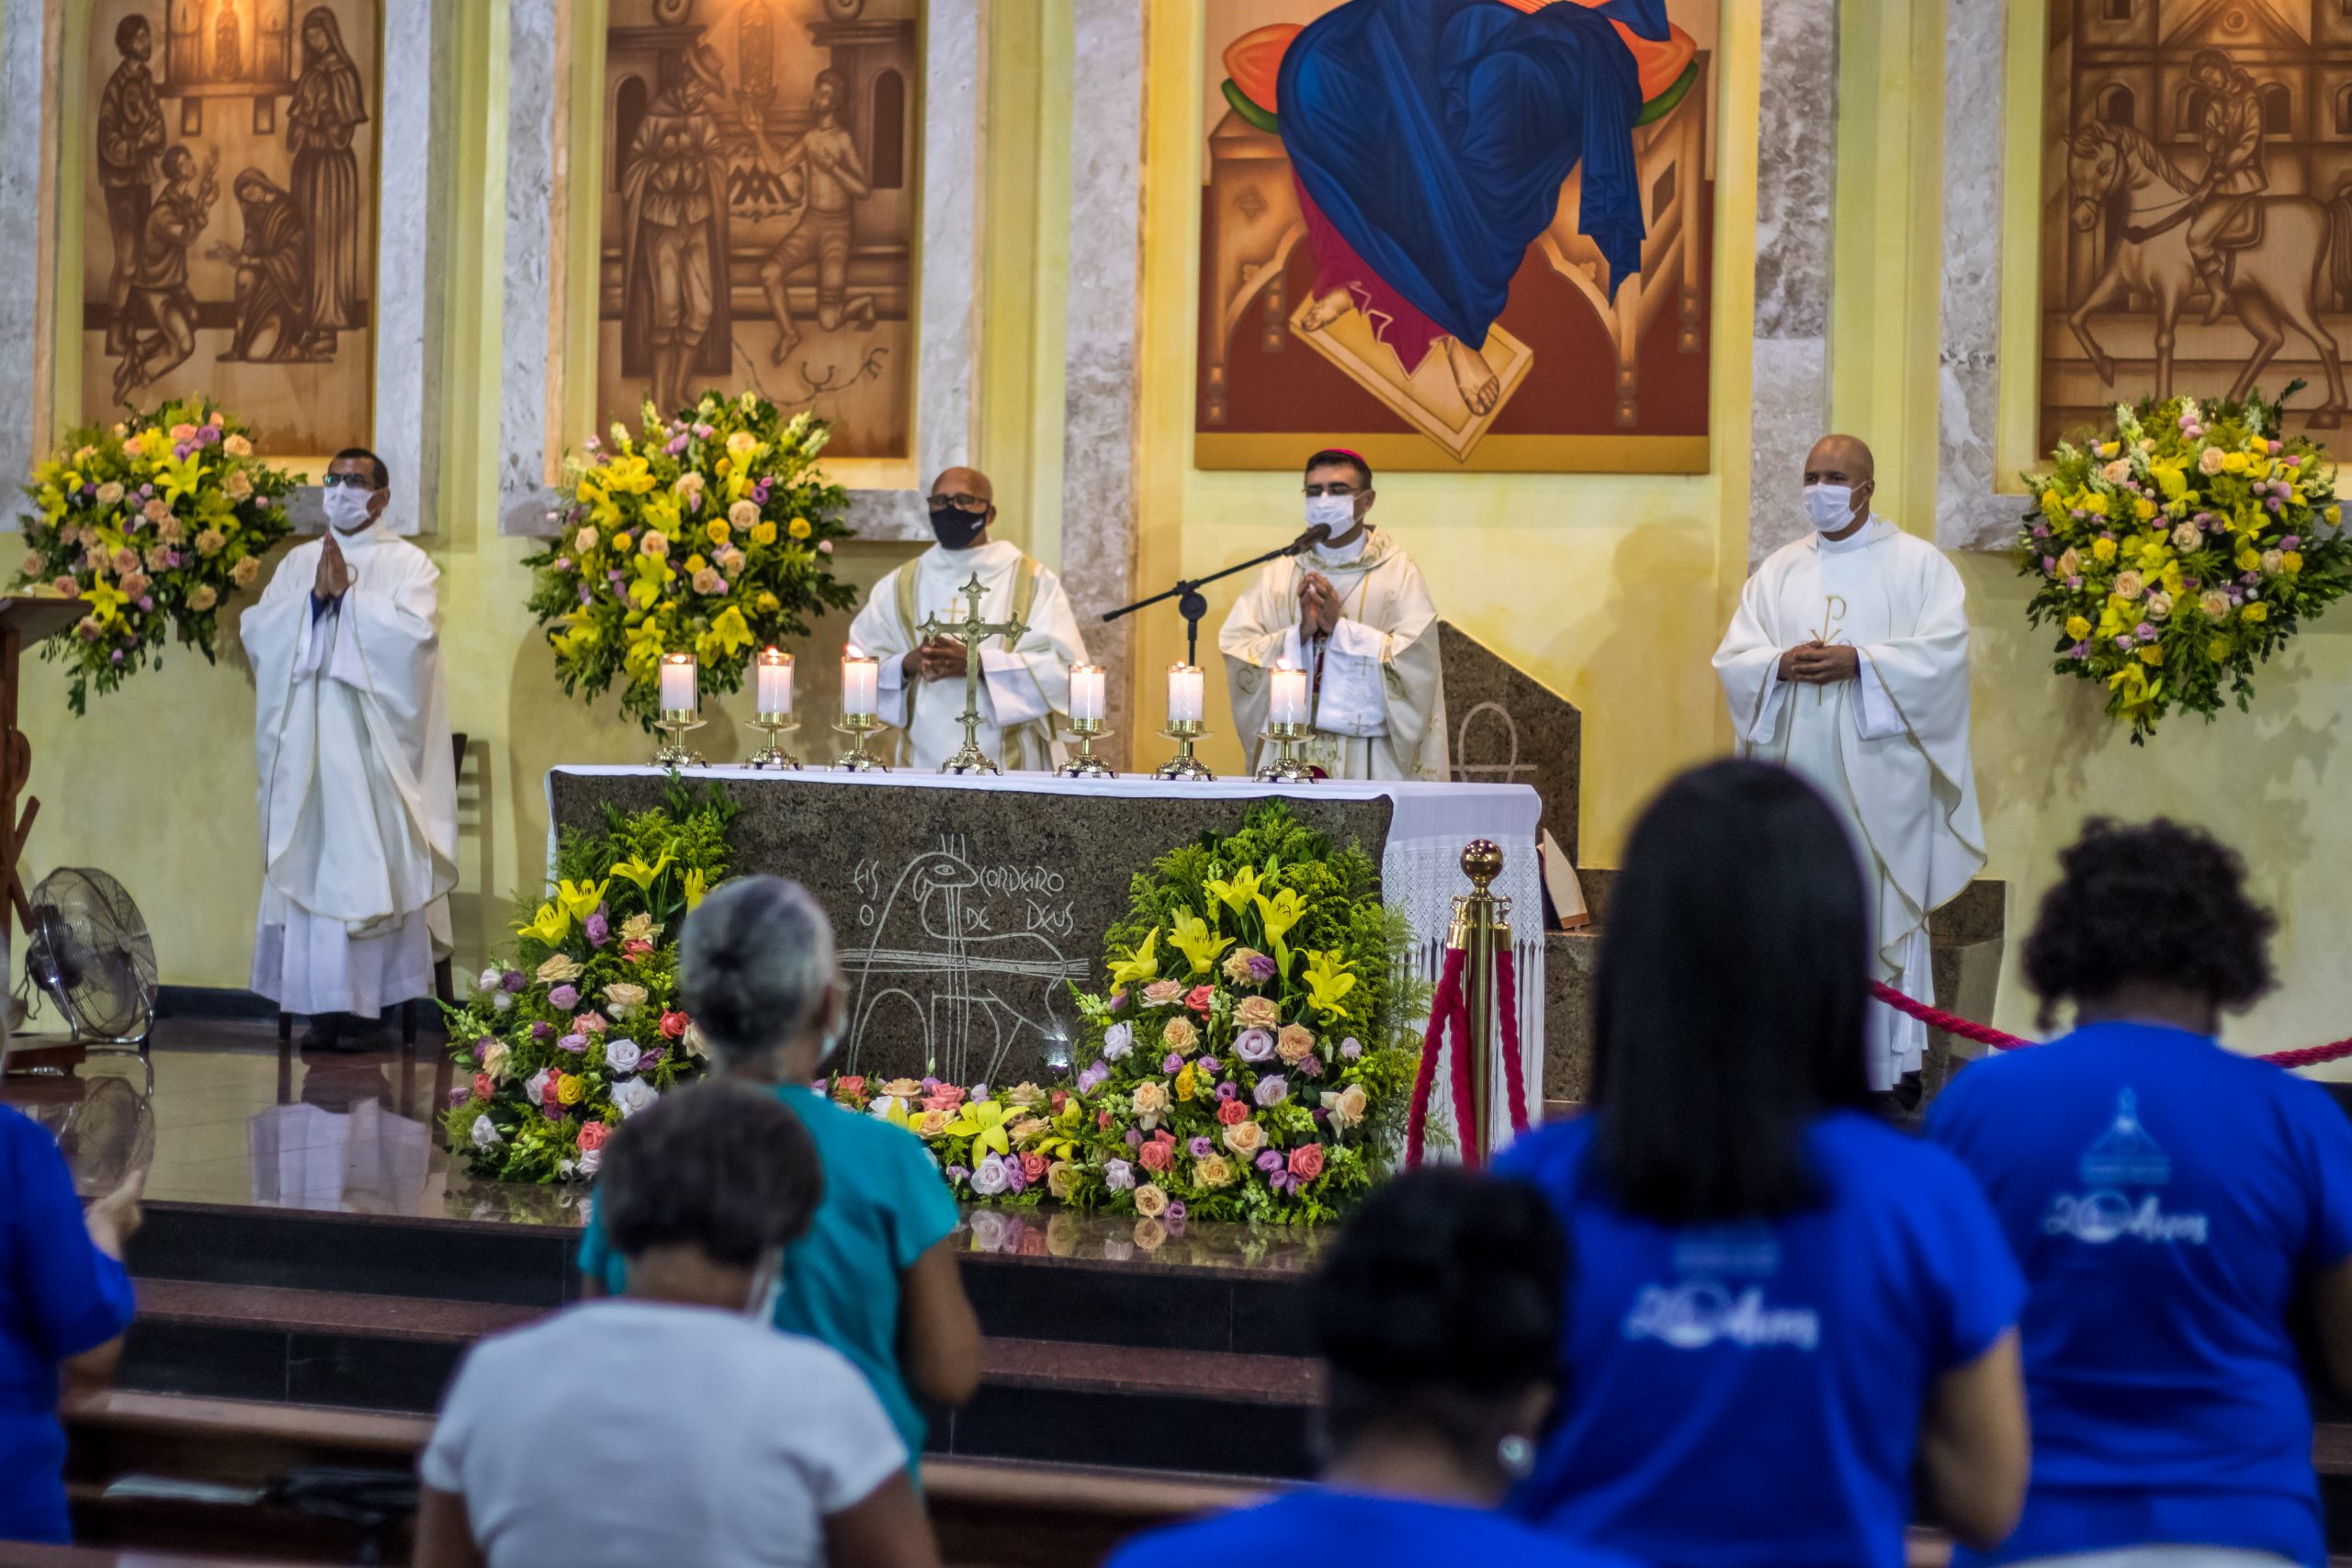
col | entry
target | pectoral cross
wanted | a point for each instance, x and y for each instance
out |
(969, 758)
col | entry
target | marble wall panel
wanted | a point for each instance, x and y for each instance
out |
(1969, 516)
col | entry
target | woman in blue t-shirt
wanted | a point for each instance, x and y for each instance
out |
(1438, 1319)
(1783, 1304)
(2171, 1201)
(877, 1276)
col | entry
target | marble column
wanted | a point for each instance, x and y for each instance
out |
(412, 151)
(1101, 373)
(28, 71)
(531, 397)
(1796, 176)
(1969, 516)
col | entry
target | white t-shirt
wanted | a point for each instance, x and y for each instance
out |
(630, 1432)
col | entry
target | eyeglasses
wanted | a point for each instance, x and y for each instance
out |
(961, 503)
(348, 481)
(1339, 488)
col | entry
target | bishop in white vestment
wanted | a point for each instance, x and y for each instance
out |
(1025, 681)
(358, 786)
(1848, 663)
(1355, 614)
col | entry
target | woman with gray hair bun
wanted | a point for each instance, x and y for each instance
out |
(875, 1277)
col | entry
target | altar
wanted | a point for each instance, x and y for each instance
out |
(965, 907)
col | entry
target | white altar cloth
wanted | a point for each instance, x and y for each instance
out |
(1421, 865)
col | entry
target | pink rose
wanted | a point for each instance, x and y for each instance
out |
(1198, 1000)
(947, 1095)
(1306, 1161)
(1232, 1111)
(1033, 1165)
(673, 1025)
(1159, 993)
(850, 1086)
(1155, 1155)
(593, 1135)
(483, 1088)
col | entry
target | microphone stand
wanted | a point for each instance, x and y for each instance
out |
(1187, 594)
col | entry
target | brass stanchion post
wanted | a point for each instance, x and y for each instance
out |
(1480, 930)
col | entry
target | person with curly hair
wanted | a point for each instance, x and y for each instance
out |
(2171, 1203)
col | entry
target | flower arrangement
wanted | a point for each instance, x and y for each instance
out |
(2181, 550)
(155, 521)
(1251, 1060)
(712, 534)
(580, 1027)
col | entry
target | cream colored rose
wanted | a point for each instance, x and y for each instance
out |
(496, 1059)
(1256, 1013)
(1149, 1098)
(637, 928)
(1024, 1094)
(1180, 1034)
(237, 446)
(245, 572)
(1061, 1181)
(2070, 564)
(584, 540)
(2130, 584)
(623, 998)
(2115, 473)
(1212, 1171)
(743, 514)
(203, 598)
(1294, 1044)
(2210, 461)
(695, 1044)
(1345, 1107)
(932, 1124)
(109, 492)
(209, 543)
(1150, 1202)
(1245, 1138)
(2215, 603)
(903, 1088)
(237, 487)
(558, 970)
(2273, 560)
(1026, 1128)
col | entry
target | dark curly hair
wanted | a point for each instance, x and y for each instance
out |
(2159, 901)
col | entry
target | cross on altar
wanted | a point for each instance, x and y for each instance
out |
(969, 758)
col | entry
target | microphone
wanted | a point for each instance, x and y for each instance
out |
(1317, 533)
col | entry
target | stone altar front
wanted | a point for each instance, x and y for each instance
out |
(966, 907)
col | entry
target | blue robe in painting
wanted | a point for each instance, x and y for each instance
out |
(1435, 134)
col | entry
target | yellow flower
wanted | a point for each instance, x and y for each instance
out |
(2144, 509)
(763, 531)
(695, 564)
(1192, 938)
(2249, 560)
(768, 604)
(2335, 514)
(727, 634)
(2103, 551)
(2111, 449)
(549, 925)
(1328, 981)
(2257, 612)
(2292, 562)
(983, 1121)
(718, 531)
(697, 885)
(1235, 891)
(635, 869)
(2077, 628)
(2151, 654)
(579, 899)
(569, 1088)
(2218, 650)
(2234, 463)
(1185, 1085)
(798, 529)
(2095, 505)
(1141, 966)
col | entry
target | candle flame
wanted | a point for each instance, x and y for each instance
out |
(851, 650)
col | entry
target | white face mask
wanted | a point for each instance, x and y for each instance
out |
(347, 507)
(1337, 512)
(1829, 507)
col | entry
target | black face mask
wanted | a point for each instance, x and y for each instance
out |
(955, 527)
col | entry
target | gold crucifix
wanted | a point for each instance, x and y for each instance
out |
(970, 758)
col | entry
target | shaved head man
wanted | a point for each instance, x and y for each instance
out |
(1847, 663)
(1025, 680)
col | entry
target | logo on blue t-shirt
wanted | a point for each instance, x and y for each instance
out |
(2125, 1156)
(1699, 1312)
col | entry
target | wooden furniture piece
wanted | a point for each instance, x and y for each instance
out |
(24, 620)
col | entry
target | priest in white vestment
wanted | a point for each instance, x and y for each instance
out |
(1025, 680)
(358, 786)
(1355, 614)
(1848, 663)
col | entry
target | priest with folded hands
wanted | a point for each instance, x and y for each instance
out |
(358, 786)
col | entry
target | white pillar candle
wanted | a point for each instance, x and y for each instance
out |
(1184, 693)
(1288, 703)
(861, 677)
(775, 683)
(677, 682)
(1086, 692)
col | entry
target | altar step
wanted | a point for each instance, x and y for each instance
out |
(987, 1514)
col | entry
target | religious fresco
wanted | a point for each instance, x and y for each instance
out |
(758, 213)
(1457, 234)
(229, 213)
(2197, 221)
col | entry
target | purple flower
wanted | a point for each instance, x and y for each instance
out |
(647, 1063)
(146, 489)
(2049, 564)
(575, 1044)
(1228, 1091)
(677, 443)
(2144, 632)
(1309, 1067)
(979, 1092)
(1272, 1090)
(702, 430)
(1118, 1002)
(2291, 542)
(2080, 650)
(1173, 1062)
(931, 1086)
(514, 982)
(542, 1032)
(1135, 1139)
(1352, 1047)
(2124, 642)
(1254, 1045)
(1271, 1159)
(1208, 1065)
(2042, 530)
(553, 1110)
(958, 1173)
(563, 999)
(2274, 504)
(460, 1094)
(1093, 1078)
(1175, 1214)
(600, 928)
(1014, 1180)
(1200, 1148)
(116, 656)
(182, 450)
(1118, 1175)
(1262, 968)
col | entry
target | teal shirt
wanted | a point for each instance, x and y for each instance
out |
(885, 1205)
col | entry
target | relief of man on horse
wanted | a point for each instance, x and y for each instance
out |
(2274, 259)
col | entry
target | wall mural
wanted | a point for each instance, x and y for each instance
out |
(1458, 234)
(759, 210)
(2197, 230)
(229, 213)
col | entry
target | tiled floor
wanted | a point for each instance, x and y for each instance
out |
(235, 1122)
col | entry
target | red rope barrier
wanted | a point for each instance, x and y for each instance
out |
(1514, 1069)
(1443, 1005)
(1952, 1023)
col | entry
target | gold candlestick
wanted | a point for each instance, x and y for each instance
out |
(1285, 767)
(772, 755)
(1184, 766)
(858, 759)
(673, 754)
(1086, 765)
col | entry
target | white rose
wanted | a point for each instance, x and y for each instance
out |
(989, 1178)
(502, 1002)
(622, 1055)
(884, 1106)
(485, 1133)
(694, 1043)
(592, 1161)
(633, 1095)
(1117, 1040)
(565, 1168)
(536, 1086)
(488, 981)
